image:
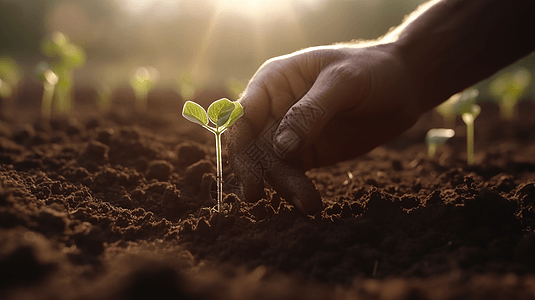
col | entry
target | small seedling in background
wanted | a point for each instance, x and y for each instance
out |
(10, 75)
(50, 80)
(110, 77)
(508, 88)
(222, 113)
(468, 109)
(104, 97)
(142, 81)
(469, 118)
(68, 56)
(185, 86)
(436, 137)
(235, 87)
(446, 110)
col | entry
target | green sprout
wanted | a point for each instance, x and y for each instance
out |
(68, 57)
(446, 110)
(235, 87)
(436, 137)
(110, 78)
(222, 113)
(185, 85)
(142, 81)
(508, 89)
(10, 75)
(50, 80)
(468, 109)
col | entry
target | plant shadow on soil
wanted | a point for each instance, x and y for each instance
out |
(116, 207)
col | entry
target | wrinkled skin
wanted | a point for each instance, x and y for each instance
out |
(314, 108)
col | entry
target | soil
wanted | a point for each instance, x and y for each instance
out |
(117, 206)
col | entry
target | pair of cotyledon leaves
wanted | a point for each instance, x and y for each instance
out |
(438, 136)
(466, 104)
(222, 113)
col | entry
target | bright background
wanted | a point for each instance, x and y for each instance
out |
(211, 41)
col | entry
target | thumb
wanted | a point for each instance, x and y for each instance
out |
(304, 121)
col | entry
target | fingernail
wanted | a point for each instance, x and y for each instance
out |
(298, 204)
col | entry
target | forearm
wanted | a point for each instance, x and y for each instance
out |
(449, 45)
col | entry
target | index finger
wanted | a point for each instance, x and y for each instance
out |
(275, 87)
(253, 159)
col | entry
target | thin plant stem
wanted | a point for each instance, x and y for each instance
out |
(469, 118)
(222, 117)
(219, 171)
(141, 101)
(470, 143)
(508, 108)
(46, 102)
(431, 149)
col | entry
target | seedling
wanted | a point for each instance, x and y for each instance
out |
(468, 109)
(222, 113)
(185, 85)
(446, 110)
(508, 89)
(68, 57)
(436, 137)
(235, 87)
(50, 80)
(142, 81)
(10, 75)
(110, 78)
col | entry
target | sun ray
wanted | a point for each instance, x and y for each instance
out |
(197, 68)
(292, 27)
(268, 19)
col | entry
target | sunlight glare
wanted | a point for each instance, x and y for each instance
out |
(254, 8)
(159, 7)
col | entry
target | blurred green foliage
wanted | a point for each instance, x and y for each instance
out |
(185, 85)
(67, 56)
(436, 137)
(142, 81)
(235, 87)
(10, 75)
(49, 80)
(508, 89)
(192, 34)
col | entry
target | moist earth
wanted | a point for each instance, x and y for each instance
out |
(118, 206)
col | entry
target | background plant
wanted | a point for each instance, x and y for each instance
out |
(185, 85)
(142, 81)
(436, 137)
(10, 76)
(235, 87)
(445, 109)
(68, 57)
(49, 80)
(468, 109)
(508, 88)
(222, 113)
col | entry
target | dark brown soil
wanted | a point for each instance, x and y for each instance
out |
(116, 207)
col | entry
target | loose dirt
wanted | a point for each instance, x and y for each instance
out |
(116, 206)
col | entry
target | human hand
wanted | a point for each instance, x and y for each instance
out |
(314, 108)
